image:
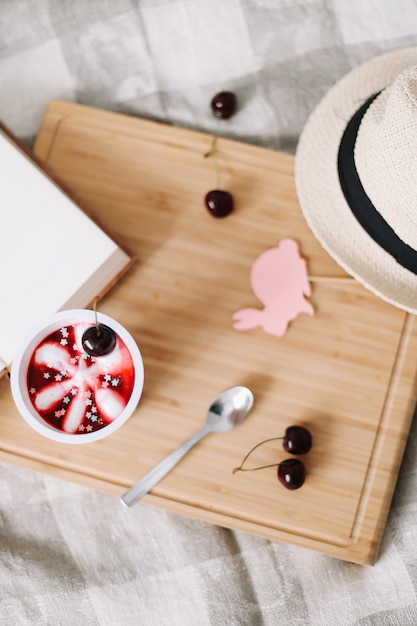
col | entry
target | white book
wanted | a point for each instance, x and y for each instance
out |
(53, 256)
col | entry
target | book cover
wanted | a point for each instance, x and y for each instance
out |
(53, 255)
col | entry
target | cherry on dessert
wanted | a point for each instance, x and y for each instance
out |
(291, 473)
(223, 104)
(297, 440)
(219, 203)
(98, 340)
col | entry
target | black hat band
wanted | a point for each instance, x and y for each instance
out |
(360, 204)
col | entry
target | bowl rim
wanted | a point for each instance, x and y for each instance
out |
(24, 353)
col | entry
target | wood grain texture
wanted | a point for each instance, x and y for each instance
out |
(348, 373)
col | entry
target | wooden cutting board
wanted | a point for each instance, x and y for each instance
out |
(348, 372)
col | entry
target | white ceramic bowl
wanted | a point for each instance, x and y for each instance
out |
(93, 382)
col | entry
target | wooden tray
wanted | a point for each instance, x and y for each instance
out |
(349, 372)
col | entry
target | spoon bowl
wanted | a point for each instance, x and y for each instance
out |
(226, 412)
(229, 409)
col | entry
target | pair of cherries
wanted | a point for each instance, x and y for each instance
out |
(291, 472)
(219, 202)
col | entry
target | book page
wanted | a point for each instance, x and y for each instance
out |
(49, 248)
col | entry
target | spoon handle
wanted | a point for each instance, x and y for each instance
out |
(145, 484)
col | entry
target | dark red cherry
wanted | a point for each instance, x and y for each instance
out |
(219, 202)
(297, 440)
(98, 340)
(291, 473)
(223, 104)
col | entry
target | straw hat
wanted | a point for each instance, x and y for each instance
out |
(356, 175)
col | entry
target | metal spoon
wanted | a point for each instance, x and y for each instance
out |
(226, 412)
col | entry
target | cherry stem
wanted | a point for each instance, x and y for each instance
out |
(217, 169)
(253, 469)
(242, 469)
(212, 147)
(214, 139)
(95, 313)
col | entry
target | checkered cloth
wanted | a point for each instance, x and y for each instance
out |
(70, 555)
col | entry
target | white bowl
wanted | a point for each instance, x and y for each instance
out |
(83, 378)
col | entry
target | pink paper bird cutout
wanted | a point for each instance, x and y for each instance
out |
(279, 280)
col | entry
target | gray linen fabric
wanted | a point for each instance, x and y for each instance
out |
(70, 555)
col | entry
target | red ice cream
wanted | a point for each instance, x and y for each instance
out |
(73, 391)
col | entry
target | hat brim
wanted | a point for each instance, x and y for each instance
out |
(319, 191)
